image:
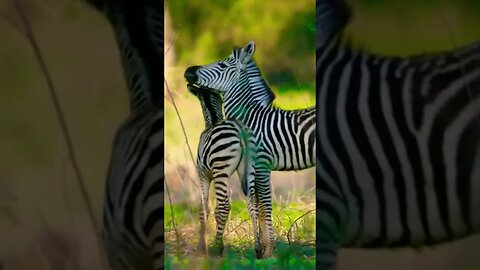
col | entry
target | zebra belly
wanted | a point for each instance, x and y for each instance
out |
(406, 166)
(438, 213)
(220, 148)
(289, 157)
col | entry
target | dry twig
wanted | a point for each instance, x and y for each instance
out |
(177, 235)
(294, 222)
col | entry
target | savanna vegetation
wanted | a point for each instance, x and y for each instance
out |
(205, 32)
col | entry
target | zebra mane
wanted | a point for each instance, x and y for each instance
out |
(256, 80)
(345, 43)
(331, 17)
(138, 29)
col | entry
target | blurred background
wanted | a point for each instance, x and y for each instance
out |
(43, 222)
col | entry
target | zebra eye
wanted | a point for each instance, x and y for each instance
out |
(222, 65)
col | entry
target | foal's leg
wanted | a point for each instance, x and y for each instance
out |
(222, 209)
(264, 195)
(203, 212)
(252, 206)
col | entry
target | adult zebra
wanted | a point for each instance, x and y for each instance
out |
(398, 157)
(225, 146)
(133, 206)
(286, 138)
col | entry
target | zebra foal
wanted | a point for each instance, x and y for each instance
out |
(225, 146)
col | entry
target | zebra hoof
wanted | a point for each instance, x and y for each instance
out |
(264, 252)
(259, 252)
(201, 249)
(217, 250)
(267, 253)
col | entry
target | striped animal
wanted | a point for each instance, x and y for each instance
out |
(133, 206)
(398, 157)
(286, 138)
(225, 146)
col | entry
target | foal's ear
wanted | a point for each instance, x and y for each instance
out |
(331, 18)
(247, 52)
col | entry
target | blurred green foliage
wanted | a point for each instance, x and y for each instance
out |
(283, 30)
(468, 5)
(206, 30)
(232, 262)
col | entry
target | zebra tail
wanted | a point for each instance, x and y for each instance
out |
(248, 149)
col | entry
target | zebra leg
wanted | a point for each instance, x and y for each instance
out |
(326, 256)
(252, 207)
(252, 204)
(203, 213)
(246, 173)
(264, 194)
(331, 231)
(222, 209)
(157, 251)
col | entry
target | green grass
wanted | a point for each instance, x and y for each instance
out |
(294, 225)
(231, 261)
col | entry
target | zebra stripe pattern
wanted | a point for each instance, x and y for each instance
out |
(225, 146)
(286, 138)
(398, 158)
(133, 206)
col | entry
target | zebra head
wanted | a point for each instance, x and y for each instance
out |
(223, 75)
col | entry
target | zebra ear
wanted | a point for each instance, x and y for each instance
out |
(331, 18)
(247, 53)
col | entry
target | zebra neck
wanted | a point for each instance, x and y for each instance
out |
(211, 107)
(260, 91)
(330, 48)
(251, 91)
(245, 110)
(139, 33)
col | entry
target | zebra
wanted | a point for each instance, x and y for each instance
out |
(286, 137)
(398, 156)
(225, 146)
(133, 213)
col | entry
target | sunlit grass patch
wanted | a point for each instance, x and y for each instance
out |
(294, 225)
